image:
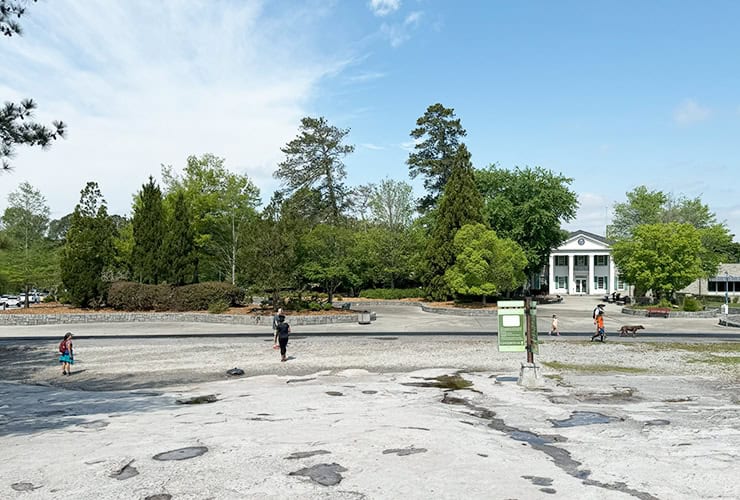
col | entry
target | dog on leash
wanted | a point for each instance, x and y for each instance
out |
(630, 330)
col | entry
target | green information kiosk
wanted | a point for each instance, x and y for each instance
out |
(512, 326)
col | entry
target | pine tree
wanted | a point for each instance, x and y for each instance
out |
(88, 249)
(461, 204)
(179, 245)
(149, 229)
(437, 136)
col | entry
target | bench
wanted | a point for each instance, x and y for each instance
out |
(658, 311)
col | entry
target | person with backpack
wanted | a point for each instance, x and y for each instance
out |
(282, 335)
(599, 322)
(67, 357)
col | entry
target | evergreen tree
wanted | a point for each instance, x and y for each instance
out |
(179, 245)
(313, 161)
(88, 249)
(149, 229)
(16, 126)
(437, 137)
(461, 204)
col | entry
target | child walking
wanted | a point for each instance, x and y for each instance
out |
(67, 357)
(554, 330)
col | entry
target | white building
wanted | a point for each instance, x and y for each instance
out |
(583, 265)
(725, 283)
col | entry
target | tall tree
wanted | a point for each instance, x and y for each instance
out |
(314, 161)
(16, 127)
(653, 207)
(528, 206)
(221, 203)
(269, 257)
(88, 249)
(179, 244)
(663, 258)
(642, 207)
(147, 258)
(391, 203)
(485, 265)
(461, 204)
(437, 136)
(26, 220)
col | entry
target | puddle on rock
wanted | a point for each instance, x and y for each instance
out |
(578, 418)
(24, 486)
(451, 382)
(529, 437)
(402, 452)
(198, 400)
(658, 421)
(539, 481)
(305, 454)
(507, 379)
(334, 393)
(324, 474)
(369, 392)
(181, 453)
(159, 496)
(126, 472)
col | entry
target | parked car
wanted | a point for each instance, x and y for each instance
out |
(11, 301)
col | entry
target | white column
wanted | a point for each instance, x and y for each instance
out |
(571, 280)
(551, 275)
(591, 260)
(612, 275)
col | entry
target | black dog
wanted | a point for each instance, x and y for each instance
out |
(630, 330)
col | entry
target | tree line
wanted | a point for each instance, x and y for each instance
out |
(316, 232)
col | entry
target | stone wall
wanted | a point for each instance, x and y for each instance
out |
(710, 313)
(155, 317)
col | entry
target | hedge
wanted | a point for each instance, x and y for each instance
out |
(129, 296)
(392, 293)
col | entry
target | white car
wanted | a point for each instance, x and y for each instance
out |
(12, 302)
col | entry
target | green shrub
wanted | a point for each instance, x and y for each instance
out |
(314, 306)
(691, 304)
(328, 307)
(218, 307)
(130, 296)
(664, 303)
(392, 293)
(49, 298)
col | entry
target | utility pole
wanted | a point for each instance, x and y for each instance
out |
(528, 326)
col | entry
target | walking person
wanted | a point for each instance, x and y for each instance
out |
(67, 356)
(554, 329)
(275, 321)
(283, 333)
(599, 322)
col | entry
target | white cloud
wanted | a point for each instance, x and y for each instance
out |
(371, 146)
(398, 33)
(142, 84)
(594, 213)
(689, 112)
(384, 7)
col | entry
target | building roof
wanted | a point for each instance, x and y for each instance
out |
(590, 235)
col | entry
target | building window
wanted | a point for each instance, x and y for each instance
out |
(601, 260)
(561, 260)
(601, 282)
(621, 284)
(580, 260)
(561, 282)
(721, 285)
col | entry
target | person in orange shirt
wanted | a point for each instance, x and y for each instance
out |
(599, 322)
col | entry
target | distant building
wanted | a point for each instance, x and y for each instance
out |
(583, 265)
(727, 279)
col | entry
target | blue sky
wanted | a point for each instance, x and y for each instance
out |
(612, 93)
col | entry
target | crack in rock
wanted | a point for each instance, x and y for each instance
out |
(24, 486)
(126, 472)
(198, 400)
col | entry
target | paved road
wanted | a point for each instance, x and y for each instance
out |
(574, 314)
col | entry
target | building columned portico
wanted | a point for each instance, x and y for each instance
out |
(583, 265)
